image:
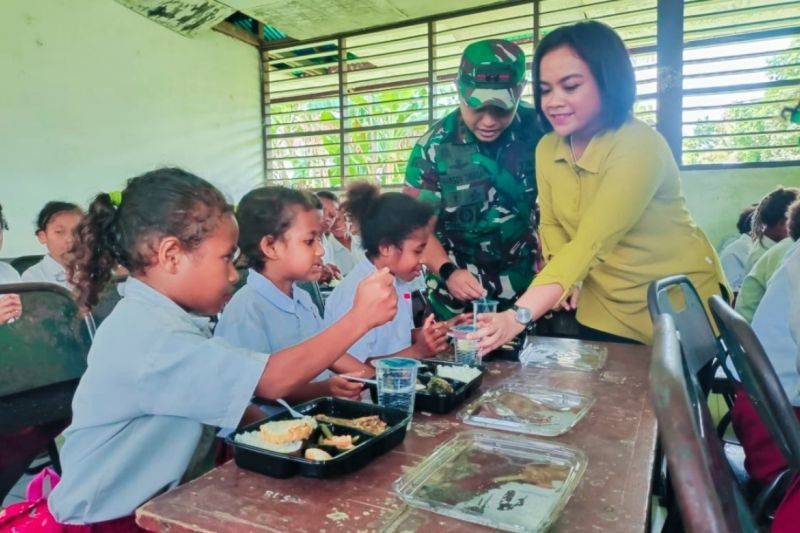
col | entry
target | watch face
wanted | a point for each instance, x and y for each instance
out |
(523, 315)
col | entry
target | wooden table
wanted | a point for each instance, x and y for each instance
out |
(618, 435)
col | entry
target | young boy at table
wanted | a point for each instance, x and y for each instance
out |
(155, 378)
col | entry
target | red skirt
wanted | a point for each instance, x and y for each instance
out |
(762, 458)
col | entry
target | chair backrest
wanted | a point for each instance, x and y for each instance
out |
(23, 262)
(108, 299)
(312, 288)
(48, 344)
(677, 297)
(759, 380)
(42, 357)
(707, 494)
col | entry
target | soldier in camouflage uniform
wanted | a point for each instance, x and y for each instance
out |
(476, 165)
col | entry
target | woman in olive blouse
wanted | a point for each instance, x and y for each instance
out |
(613, 218)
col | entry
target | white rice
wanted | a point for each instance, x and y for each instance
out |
(463, 373)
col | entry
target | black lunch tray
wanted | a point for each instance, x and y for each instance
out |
(440, 403)
(282, 465)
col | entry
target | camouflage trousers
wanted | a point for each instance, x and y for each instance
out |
(505, 286)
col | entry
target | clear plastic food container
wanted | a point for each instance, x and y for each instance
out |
(567, 354)
(495, 479)
(527, 409)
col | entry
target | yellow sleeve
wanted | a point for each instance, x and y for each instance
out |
(551, 233)
(630, 178)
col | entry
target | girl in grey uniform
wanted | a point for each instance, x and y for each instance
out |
(156, 376)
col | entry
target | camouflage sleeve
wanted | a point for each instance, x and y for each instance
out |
(422, 178)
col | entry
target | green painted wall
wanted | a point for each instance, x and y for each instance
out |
(715, 197)
(93, 93)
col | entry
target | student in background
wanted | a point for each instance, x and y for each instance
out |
(330, 210)
(787, 515)
(772, 322)
(279, 234)
(769, 222)
(733, 256)
(153, 357)
(338, 242)
(755, 283)
(394, 231)
(10, 304)
(54, 228)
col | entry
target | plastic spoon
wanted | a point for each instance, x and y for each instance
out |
(288, 407)
(360, 380)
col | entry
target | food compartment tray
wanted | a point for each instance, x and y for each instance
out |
(284, 465)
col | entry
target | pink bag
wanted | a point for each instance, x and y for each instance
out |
(32, 515)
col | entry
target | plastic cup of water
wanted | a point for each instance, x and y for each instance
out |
(482, 306)
(397, 380)
(466, 350)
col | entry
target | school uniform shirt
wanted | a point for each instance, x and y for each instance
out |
(772, 321)
(8, 274)
(755, 282)
(757, 249)
(387, 339)
(338, 254)
(260, 317)
(616, 220)
(733, 258)
(792, 265)
(48, 270)
(154, 378)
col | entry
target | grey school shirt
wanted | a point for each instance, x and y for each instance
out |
(154, 378)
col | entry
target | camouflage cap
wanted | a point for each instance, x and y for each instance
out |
(492, 72)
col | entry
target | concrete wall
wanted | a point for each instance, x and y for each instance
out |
(93, 93)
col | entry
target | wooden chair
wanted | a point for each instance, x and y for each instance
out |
(708, 497)
(765, 391)
(42, 357)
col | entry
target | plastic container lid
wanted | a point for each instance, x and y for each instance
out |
(567, 354)
(527, 409)
(496, 480)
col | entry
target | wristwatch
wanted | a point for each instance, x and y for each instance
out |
(446, 270)
(522, 315)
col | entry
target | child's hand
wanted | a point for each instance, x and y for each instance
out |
(343, 388)
(329, 272)
(463, 318)
(434, 337)
(336, 273)
(10, 307)
(376, 299)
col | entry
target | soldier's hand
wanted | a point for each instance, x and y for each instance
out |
(464, 286)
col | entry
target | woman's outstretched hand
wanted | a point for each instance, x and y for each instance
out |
(495, 329)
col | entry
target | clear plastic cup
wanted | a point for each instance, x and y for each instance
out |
(397, 380)
(482, 306)
(466, 350)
